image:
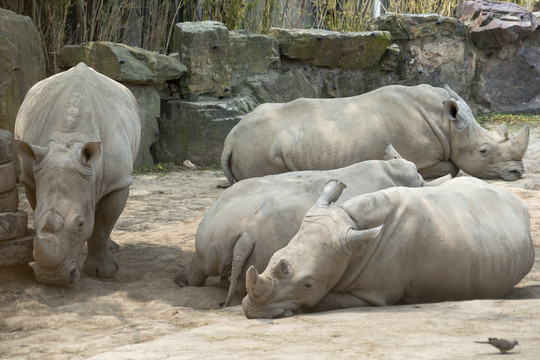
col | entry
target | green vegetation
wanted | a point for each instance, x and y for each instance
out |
(160, 168)
(508, 119)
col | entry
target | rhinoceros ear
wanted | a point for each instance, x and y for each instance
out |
(33, 153)
(502, 131)
(90, 152)
(355, 238)
(391, 153)
(451, 109)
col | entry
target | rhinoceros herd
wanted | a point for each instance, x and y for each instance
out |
(321, 213)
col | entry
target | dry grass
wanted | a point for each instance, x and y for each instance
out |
(149, 23)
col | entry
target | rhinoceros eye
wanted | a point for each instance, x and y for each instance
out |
(80, 225)
(308, 283)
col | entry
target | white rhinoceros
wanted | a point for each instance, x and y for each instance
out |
(77, 134)
(432, 127)
(256, 217)
(461, 240)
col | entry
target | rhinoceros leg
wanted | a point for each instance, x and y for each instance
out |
(100, 260)
(241, 252)
(191, 275)
(442, 168)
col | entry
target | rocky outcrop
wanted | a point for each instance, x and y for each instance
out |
(149, 105)
(123, 63)
(408, 27)
(253, 54)
(331, 49)
(22, 63)
(196, 130)
(494, 24)
(204, 48)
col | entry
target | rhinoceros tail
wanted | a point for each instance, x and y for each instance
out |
(241, 252)
(226, 164)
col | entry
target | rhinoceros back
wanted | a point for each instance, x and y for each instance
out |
(81, 105)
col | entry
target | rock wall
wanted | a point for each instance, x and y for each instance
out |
(190, 99)
(22, 63)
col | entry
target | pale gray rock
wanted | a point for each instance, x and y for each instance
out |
(124, 63)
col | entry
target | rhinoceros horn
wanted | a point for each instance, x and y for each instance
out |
(47, 250)
(257, 287)
(517, 146)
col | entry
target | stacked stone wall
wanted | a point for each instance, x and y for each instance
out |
(190, 99)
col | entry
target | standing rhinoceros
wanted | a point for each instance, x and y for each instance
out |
(78, 134)
(462, 240)
(256, 217)
(432, 127)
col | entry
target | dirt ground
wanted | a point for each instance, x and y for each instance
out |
(143, 314)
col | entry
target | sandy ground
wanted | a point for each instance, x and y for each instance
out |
(142, 314)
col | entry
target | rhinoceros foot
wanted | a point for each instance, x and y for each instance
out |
(181, 277)
(104, 266)
(113, 246)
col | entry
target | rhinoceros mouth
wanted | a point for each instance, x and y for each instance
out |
(512, 173)
(280, 309)
(60, 275)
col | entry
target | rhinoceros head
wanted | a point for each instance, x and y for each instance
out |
(299, 275)
(479, 152)
(63, 204)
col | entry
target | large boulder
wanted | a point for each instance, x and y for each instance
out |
(421, 48)
(204, 48)
(252, 54)
(22, 63)
(332, 49)
(510, 80)
(197, 130)
(149, 105)
(412, 26)
(282, 86)
(494, 24)
(123, 63)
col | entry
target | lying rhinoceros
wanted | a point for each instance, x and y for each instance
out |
(462, 240)
(78, 134)
(256, 217)
(432, 127)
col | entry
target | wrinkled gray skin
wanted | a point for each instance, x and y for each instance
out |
(256, 217)
(432, 127)
(77, 135)
(462, 240)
